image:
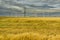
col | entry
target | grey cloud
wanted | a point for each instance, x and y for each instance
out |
(16, 6)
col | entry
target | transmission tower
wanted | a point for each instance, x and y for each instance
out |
(24, 11)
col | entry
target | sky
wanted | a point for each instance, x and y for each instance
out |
(30, 3)
(17, 6)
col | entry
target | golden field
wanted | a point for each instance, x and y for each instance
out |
(41, 28)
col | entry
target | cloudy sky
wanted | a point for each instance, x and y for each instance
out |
(16, 6)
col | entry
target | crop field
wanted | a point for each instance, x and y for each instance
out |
(41, 28)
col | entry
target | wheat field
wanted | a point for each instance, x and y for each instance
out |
(41, 28)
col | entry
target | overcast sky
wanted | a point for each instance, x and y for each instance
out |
(19, 3)
(16, 6)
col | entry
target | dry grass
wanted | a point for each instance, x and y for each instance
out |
(30, 28)
(29, 36)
